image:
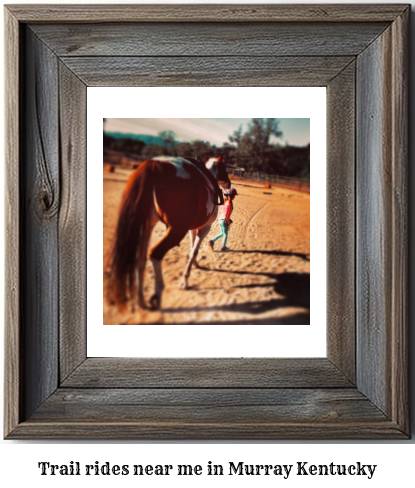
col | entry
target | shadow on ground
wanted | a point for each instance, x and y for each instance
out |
(293, 287)
(297, 319)
(306, 257)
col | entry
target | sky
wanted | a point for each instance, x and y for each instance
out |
(296, 132)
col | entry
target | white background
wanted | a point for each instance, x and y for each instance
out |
(218, 341)
(18, 460)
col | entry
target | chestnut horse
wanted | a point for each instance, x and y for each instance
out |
(179, 193)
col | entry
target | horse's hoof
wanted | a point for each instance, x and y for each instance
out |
(196, 264)
(155, 302)
(183, 285)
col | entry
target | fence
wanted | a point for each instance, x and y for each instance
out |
(273, 180)
(113, 159)
(122, 159)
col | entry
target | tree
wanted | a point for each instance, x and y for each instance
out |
(184, 150)
(203, 150)
(254, 150)
(169, 142)
(152, 151)
(229, 154)
(108, 141)
(296, 161)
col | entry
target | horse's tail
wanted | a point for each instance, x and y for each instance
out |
(132, 234)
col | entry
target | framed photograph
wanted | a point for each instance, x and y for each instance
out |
(262, 277)
(56, 385)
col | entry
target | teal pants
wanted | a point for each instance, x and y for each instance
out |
(223, 233)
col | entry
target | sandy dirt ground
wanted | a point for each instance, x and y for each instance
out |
(263, 279)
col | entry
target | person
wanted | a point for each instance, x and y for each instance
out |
(224, 218)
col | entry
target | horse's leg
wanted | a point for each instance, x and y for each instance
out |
(140, 272)
(195, 243)
(192, 235)
(171, 239)
(142, 258)
(201, 234)
(155, 300)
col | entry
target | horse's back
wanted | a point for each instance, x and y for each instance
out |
(183, 194)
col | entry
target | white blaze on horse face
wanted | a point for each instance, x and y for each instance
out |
(212, 167)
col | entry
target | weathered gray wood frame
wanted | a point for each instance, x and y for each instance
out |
(359, 52)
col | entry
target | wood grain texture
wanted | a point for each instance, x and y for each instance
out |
(72, 222)
(207, 13)
(149, 430)
(382, 199)
(374, 224)
(206, 373)
(227, 39)
(209, 415)
(207, 399)
(400, 262)
(209, 405)
(13, 380)
(341, 238)
(40, 230)
(206, 71)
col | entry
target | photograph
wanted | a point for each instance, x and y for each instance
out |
(206, 221)
(158, 271)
